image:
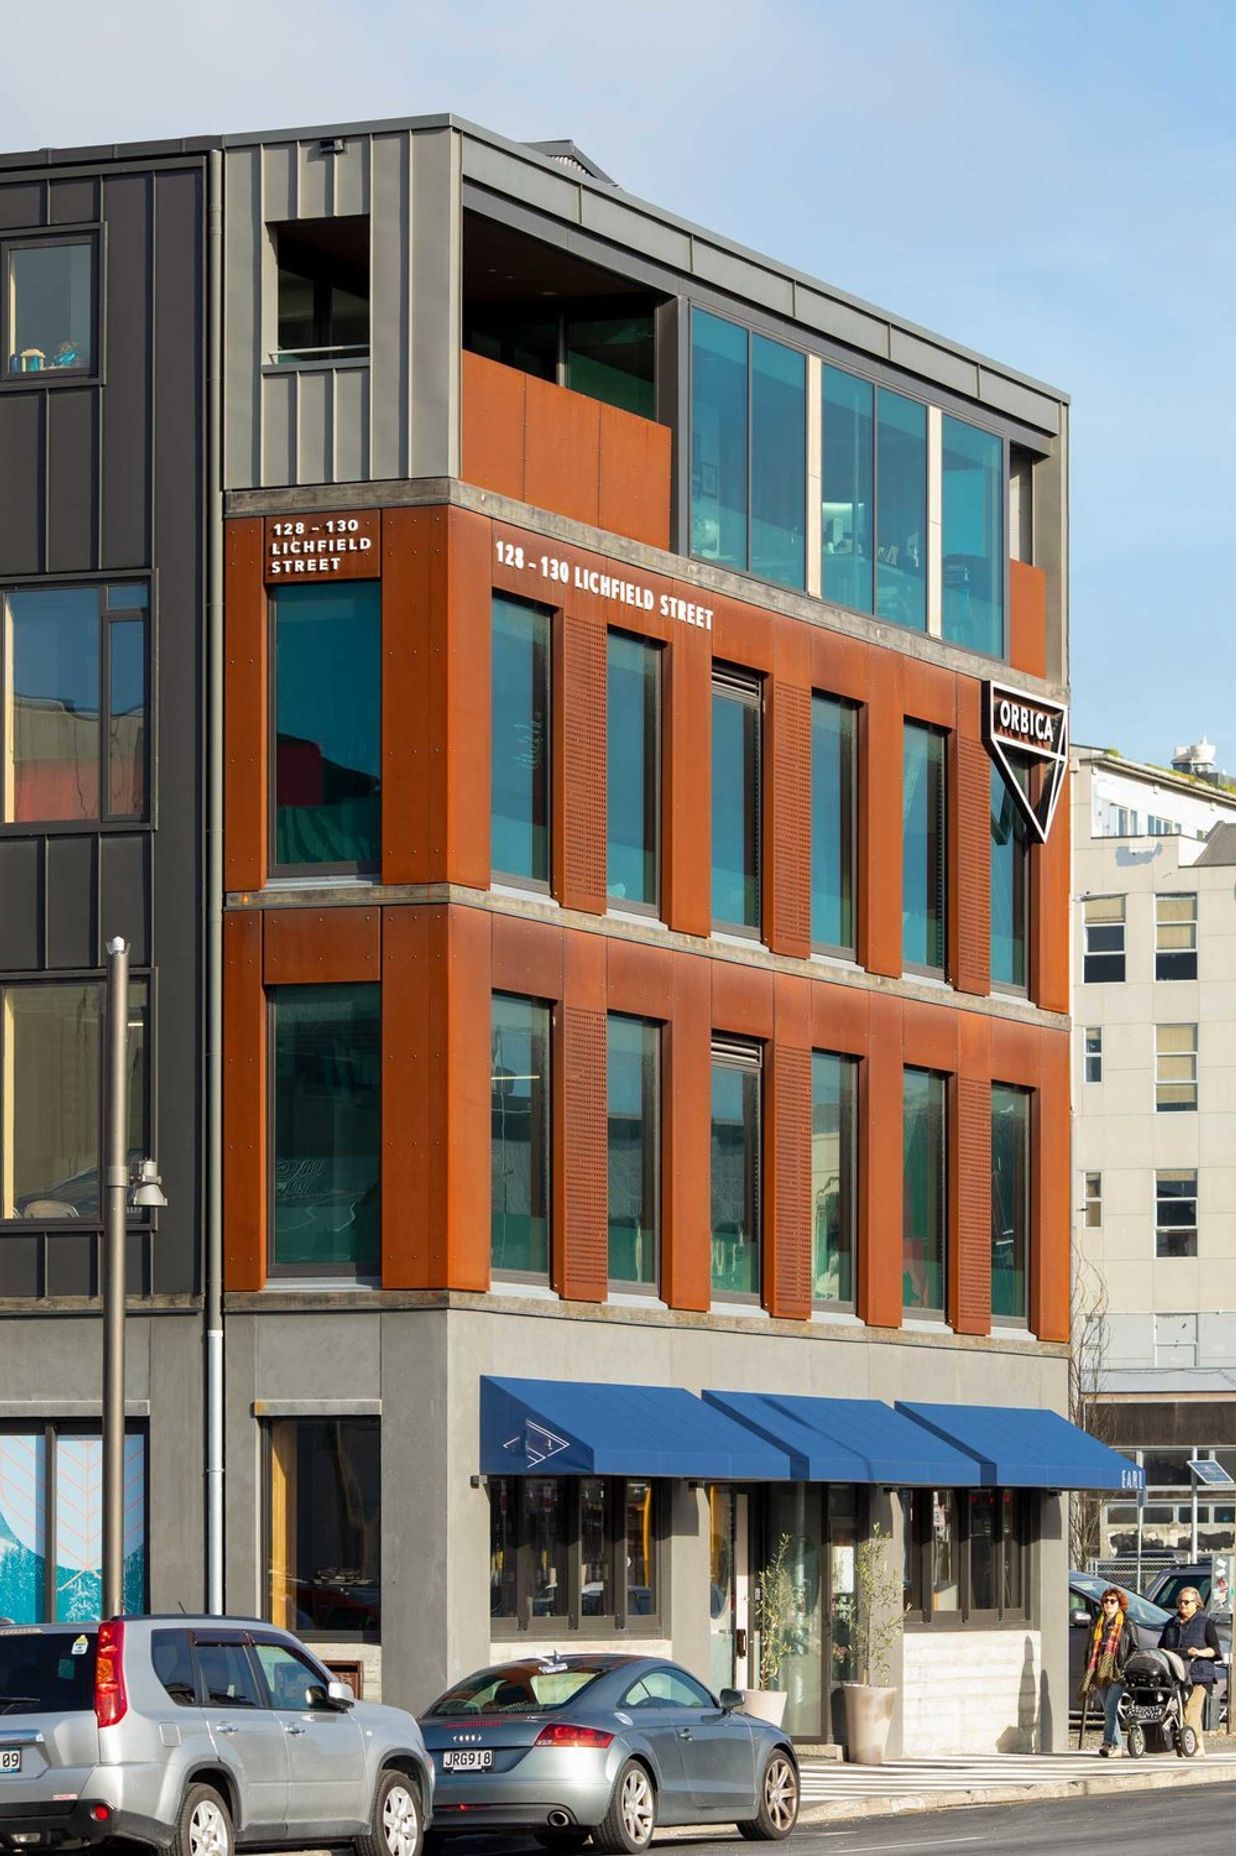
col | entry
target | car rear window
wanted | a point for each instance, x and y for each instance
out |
(46, 1672)
(519, 1689)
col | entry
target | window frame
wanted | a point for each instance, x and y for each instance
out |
(90, 232)
(920, 1561)
(573, 1622)
(654, 776)
(746, 689)
(1165, 955)
(1164, 1230)
(1092, 1054)
(1165, 1107)
(266, 1487)
(552, 1013)
(654, 1142)
(850, 1195)
(744, 1056)
(1112, 955)
(851, 774)
(552, 615)
(915, 1311)
(941, 736)
(1021, 1320)
(105, 819)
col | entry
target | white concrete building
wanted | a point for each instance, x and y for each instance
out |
(1154, 1152)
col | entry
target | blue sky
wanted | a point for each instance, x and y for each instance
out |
(1051, 184)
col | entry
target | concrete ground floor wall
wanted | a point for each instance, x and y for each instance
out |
(419, 1368)
(51, 1372)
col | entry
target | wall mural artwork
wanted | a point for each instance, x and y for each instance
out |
(78, 1545)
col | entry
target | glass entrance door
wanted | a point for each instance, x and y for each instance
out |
(842, 1600)
(794, 1534)
(729, 1588)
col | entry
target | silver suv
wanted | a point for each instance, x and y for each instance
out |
(200, 1736)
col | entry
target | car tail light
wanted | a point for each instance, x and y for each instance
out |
(559, 1733)
(111, 1702)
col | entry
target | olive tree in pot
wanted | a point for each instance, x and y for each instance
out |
(776, 1609)
(869, 1701)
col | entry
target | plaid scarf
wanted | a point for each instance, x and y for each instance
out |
(1101, 1670)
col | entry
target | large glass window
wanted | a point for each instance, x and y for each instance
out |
(634, 1156)
(966, 1552)
(633, 774)
(735, 802)
(327, 1136)
(613, 358)
(324, 1526)
(519, 1145)
(1010, 1201)
(1175, 1068)
(323, 288)
(923, 860)
(328, 725)
(834, 1170)
(74, 677)
(1175, 1213)
(748, 450)
(51, 1523)
(1010, 886)
(1103, 958)
(53, 1054)
(570, 1550)
(832, 823)
(735, 1159)
(901, 510)
(48, 318)
(1175, 937)
(520, 743)
(924, 1201)
(848, 489)
(972, 497)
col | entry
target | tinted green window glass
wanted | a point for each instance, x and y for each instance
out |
(735, 808)
(832, 823)
(633, 743)
(328, 1125)
(901, 510)
(834, 1195)
(1010, 859)
(718, 440)
(634, 1130)
(848, 489)
(973, 537)
(613, 358)
(1010, 1199)
(328, 724)
(521, 745)
(923, 859)
(519, 1116)
(735, 1179)
(778, 461)
(923, 1203)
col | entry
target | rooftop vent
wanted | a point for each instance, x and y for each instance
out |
(568, 156)
(1196, 757)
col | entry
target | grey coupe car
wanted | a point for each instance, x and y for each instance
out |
(604, 1747)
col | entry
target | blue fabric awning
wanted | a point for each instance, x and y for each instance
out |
(850, 1440)
(559, 1427)
(1020, 1447)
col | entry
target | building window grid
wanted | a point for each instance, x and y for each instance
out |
(1104, 925)
(1175, 1212)
(575, 1554)
(1175, 1068)
(967, 1557)
(1175, 937)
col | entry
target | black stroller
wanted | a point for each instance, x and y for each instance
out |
(1156, 1688)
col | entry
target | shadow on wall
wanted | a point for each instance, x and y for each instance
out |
(1025, 1737)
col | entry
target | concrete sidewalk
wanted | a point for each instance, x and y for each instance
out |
(831, 1790)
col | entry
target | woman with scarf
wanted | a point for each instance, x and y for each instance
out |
(1192, 1634)
(1112, 1642)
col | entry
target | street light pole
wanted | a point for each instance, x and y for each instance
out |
(116, 1193)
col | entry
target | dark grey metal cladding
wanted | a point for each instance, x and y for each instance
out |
(101, 479)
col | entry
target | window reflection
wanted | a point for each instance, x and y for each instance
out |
(328, 722)
(1010, 1200)
(833, 1176)
(326, 1043)
(945, 1552)
(832, 823)
(923, 849)
(735, 1173)
(718, 440)
(973, 537)
(736, 803)
(325, 1525)
(545, 1532)
(923, 1197)
(1010, 871)
(519, 1085)
(901, 510)
(520, 744)
(848, 489)
(633, 787)
(778, 461)
(51, 307)
(634, 1139)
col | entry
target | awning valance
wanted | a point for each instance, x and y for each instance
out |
(849, 1440)
(1021, 1447)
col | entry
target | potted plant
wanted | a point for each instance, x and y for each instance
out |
(776, 1611)
(869, 1701)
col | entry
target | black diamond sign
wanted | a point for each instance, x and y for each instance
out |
(1029, 728)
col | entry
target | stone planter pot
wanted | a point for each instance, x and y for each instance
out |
(868, 1717)
(766, 1704)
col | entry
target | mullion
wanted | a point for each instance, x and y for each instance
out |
(105, 706)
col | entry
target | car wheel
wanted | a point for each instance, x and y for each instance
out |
(778, 1812)
(204, 1827)
(1135, 1740)
(632, 1816)
(395, 1819)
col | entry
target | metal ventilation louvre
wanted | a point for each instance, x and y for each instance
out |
(568, 156)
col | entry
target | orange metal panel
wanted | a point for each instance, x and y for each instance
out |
(414, 577)
(461, 1099)
(334, 544)
(686, 1269)
(930, 693)
(786, 1273)
(640, 978)
(1028, 619)
(930, 1035)
(881, 1167)
(1016, 1052)
(244, 1103)
(465, 754)
(839, 1018)
(687, 854)
(843, 666)
(527, 957)
(879, 821)
(245, 753)
(742, 635)
(792, 1010)
(1050, 1216)
(562, 449)
(634, 490)
(581, 1173)
(742, 999)
(320, 947)
(413, 1051)
(493, 425)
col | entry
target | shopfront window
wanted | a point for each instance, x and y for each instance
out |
(848, 490)
(633, 782)
(923, 859)
(1010, 886)
(48, 313)
(324, 1526)
(634, 1151)
(328, 726)
(834, 1177)
(833, 835)
(924, 1137)
(519, 1147)
(966, 1552)
(1010, 1202)
(901, 510)
(52, 1047)
(519, 819)
(973, 548)
(735, 802)
(327, 1135)
(75, 721)
(573, 1552)
(51, 1522)
(735, 1171)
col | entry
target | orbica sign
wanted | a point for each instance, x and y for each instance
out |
(1028, 738)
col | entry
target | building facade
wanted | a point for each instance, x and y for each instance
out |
(1155, 1127)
